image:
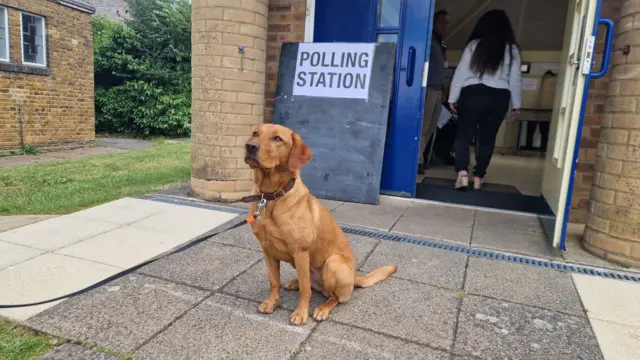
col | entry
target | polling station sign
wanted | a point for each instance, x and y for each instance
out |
(333, 70)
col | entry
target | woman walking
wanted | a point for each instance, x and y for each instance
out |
(486, 79)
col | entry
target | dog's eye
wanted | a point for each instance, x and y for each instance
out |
(255, 134)
(277, 138)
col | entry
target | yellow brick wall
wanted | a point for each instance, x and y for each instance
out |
(58, 108)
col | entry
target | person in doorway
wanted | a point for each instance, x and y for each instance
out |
(486, 80)
(435, 83)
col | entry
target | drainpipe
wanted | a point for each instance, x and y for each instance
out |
(21, 133)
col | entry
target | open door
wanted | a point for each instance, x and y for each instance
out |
(568, 112)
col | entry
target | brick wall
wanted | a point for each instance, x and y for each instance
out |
(286, 24)
(57, 101)
(228, 93)
(591, 130)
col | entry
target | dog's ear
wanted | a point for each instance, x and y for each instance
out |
(300, 153)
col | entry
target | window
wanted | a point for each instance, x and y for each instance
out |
(34, 47)
(4, 35)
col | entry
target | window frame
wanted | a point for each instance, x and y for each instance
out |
(6, 33)
(44, 40)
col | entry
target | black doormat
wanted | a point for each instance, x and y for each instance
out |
(509, 189)
(490, 199)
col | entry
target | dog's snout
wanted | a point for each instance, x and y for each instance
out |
(252, 147)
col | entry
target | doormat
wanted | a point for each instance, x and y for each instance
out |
(482, 198)
(509, 189)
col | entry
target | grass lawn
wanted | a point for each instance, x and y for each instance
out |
(67, 186)
(17, 343)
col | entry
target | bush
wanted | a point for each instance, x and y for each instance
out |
(143, 70)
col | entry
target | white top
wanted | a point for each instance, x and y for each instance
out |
(507, 77)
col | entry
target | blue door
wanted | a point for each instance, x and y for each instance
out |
(408, 24)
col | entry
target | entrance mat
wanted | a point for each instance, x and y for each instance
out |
(483, 198)
(485, 187)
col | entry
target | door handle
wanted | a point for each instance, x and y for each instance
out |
(608, 44)
(411, 66)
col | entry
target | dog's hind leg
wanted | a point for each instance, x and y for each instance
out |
(338, 280)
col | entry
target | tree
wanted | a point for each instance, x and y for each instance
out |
(143, 70)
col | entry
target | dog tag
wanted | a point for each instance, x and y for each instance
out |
(251, 219)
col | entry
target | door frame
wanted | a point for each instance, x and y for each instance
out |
(597, 21)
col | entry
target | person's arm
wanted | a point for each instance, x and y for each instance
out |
(460, 74)
(515, 80)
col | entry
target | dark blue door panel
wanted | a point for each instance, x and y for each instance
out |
(403, 141)
(344, 21)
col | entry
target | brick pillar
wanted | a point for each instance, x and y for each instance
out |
(613, 220)
(228, 93)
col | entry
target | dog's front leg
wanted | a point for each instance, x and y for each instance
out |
(301, 315)
(273, 300)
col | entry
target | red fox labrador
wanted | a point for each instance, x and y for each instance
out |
(292, 226)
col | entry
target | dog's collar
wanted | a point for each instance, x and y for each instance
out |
(270, 196)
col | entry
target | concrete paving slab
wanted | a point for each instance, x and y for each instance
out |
(212, 331)
(11, 254)
(15, 221)
(494, 329)
(125, 211)
(520, 242)
(428, 266)
(609, 300)
(336, 341)
(75, 352)
(380, 217)
(240, 237)
(45, 277)
(185, 221)
(124, 247)
(451, 230)
(617, 341)
(254, 284)
(331, 204)
(432, 212)
(121, 315)
(523, 284)
(508, 221)
(58, 232)
(404, 309)
(123, 143)
(207, 265)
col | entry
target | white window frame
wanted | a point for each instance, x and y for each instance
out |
(6, 33)
(44, 40)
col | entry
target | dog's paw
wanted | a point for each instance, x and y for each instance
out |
(267, 307)
(321, 313)
(300, 317)
(292, 285)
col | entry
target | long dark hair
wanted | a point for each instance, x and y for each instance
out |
(494, 33)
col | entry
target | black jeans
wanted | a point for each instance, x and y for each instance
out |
(481, 110)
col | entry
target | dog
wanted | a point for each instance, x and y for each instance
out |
(292, 226)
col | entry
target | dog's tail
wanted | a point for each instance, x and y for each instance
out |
(375, 276)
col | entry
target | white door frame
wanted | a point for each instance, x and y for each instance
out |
(309, 22)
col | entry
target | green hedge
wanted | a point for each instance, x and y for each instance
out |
(143, 70)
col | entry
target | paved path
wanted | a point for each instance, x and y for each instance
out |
(64, 254)
(201, 304)
(47, 157)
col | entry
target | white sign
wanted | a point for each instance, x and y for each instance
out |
(333, 70)
(529, 84)
(444, 118)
